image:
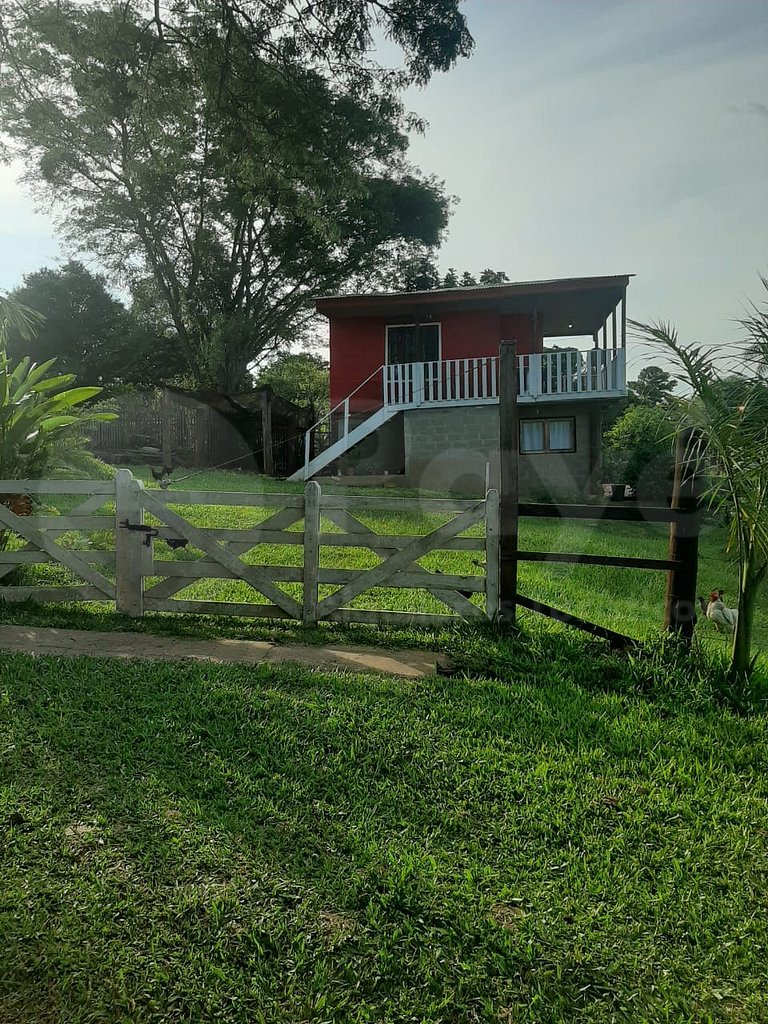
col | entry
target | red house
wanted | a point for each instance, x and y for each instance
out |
(414, 382)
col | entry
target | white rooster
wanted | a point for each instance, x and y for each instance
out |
(717, 612)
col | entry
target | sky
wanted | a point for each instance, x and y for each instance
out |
(584, 137)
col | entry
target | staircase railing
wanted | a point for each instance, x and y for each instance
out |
(336, 423)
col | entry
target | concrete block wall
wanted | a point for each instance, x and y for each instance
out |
(450, 448)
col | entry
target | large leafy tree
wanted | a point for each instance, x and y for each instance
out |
(654, 386)
(241, 154)
(89, 332)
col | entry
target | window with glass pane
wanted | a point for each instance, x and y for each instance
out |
(560, 435)
(410, 343)
(548, 435)
(532, 436)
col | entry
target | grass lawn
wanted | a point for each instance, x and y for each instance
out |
(208, 843)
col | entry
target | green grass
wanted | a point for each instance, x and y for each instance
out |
(208, 843)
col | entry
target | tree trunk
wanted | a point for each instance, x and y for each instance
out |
(741, 657)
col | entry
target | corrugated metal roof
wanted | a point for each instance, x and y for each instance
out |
(469, 289)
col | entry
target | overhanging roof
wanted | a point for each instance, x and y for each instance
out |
(567, 306)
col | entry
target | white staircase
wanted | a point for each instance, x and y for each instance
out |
(320, 437)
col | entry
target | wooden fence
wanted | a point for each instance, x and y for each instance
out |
(178, 430)
(123, 573)
(128, 519)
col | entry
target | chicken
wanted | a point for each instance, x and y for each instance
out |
(717, 612)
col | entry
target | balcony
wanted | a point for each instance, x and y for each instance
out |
(542, 377)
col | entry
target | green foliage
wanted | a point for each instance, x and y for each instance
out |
(242, 156)
(90, 333)
(731, 416)
(467, 280)
(654, 386)
(638, 450)
(301, 378)
(41, 415)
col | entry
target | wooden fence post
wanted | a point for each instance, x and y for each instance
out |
(492, 554)
(311, 551)
(509, 498)
(129, 544)
(266, 432)
(680, 601)
(165, 430)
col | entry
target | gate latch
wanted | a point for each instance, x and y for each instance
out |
(148, 531)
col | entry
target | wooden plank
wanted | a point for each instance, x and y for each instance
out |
(421, 620)
(619, 561)
(129, 544)
(614, 638)
(390, 504)
(165, 428)
(187, 572)
(680, 596)
(57, 487)
(492, 554)
(266, 431)
(31, 556)
(611, 513)
(415, 549)
(398, 541)
(51, 595)
(249, 498)
(311, 551)
(240, 542)
(201, 539)
(24, 528)
(509, 496)
(258, 611)
(72, 522)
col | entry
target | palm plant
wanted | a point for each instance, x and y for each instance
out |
(731, 414)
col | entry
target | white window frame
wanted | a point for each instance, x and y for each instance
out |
(546, 450)
(435, 323)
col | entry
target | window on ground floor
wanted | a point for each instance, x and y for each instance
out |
(548, 435)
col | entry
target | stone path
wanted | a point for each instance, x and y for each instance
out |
(79, 642)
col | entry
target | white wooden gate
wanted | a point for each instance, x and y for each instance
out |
(139, 580)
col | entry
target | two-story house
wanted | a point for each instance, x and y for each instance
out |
(415, 387)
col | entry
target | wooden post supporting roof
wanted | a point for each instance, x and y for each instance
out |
(509, 497)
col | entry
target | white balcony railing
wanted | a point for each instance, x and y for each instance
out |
(542, 376)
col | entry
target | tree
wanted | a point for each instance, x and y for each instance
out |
(244, 155)
(90, 332)
(467, 280)
(731, 414)
(638, 448)
(654, 386)
(493, 277)
(301, 378)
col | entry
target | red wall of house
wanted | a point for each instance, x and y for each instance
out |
(357, 346)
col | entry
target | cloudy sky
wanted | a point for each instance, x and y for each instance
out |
(585, 137)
